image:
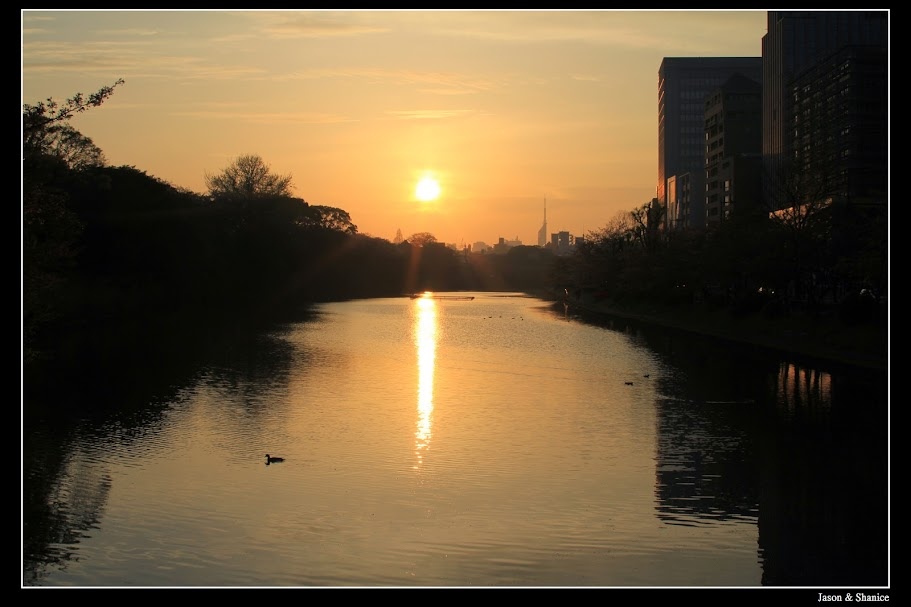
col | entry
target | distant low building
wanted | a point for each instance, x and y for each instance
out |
(563, 242)
(504, 245)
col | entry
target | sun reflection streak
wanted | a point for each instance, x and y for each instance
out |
(425, 336)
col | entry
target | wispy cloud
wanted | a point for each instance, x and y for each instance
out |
(140, 56)
(131, 31)
(319, 25)
(449, 83)
(423, 82)
(31, 17)
(637, 30)
(265, 117)
(127, 59)
(427, 114)
(586, 77)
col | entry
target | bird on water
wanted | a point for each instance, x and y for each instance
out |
(273, 460)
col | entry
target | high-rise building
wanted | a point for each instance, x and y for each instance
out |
(683, 84)
(825, 107)
(733, 148)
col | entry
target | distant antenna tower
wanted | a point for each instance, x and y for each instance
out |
(542, 233)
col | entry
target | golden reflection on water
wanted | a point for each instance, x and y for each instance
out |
(803, 388)
(425, 337)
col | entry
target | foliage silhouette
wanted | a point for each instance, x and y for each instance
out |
(247, 178)
(114, 257)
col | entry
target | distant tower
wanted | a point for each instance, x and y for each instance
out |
(542, 233)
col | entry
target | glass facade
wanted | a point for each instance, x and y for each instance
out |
(825, 106)
(683, 84)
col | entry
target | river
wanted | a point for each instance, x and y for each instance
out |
(453, 442)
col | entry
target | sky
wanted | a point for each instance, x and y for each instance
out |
(510, 112)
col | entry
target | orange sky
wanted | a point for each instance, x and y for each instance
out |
(505, 108)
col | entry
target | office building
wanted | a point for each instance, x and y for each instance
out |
(683, 85)
(733, 148)
(825, 107)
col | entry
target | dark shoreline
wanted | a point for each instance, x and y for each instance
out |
(864, 345)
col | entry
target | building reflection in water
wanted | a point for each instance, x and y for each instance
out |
(806, 461)
(425, 337)
(824, 465)
(803, 389)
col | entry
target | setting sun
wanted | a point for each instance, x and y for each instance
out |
(401, 124)
(427, 189)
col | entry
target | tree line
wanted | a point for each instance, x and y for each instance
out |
(811, 258)
(112, 255)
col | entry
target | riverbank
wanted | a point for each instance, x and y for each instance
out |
(863, 344)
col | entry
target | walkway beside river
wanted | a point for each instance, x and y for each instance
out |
(864, 344)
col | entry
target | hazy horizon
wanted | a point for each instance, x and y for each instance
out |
(503, 108)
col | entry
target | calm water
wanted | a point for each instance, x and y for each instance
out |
(491, 442)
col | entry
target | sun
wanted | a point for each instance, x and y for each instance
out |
(427, 189)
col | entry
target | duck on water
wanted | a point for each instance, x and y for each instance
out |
(273, 460)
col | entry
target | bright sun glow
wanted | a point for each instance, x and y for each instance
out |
(427, 189)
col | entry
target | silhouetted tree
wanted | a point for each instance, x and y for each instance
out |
(74, 149)
(802, 211)
(647, 220)
(39, 121)
(332, 218)
(247, 178)
(420, 239)
(51, 150)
